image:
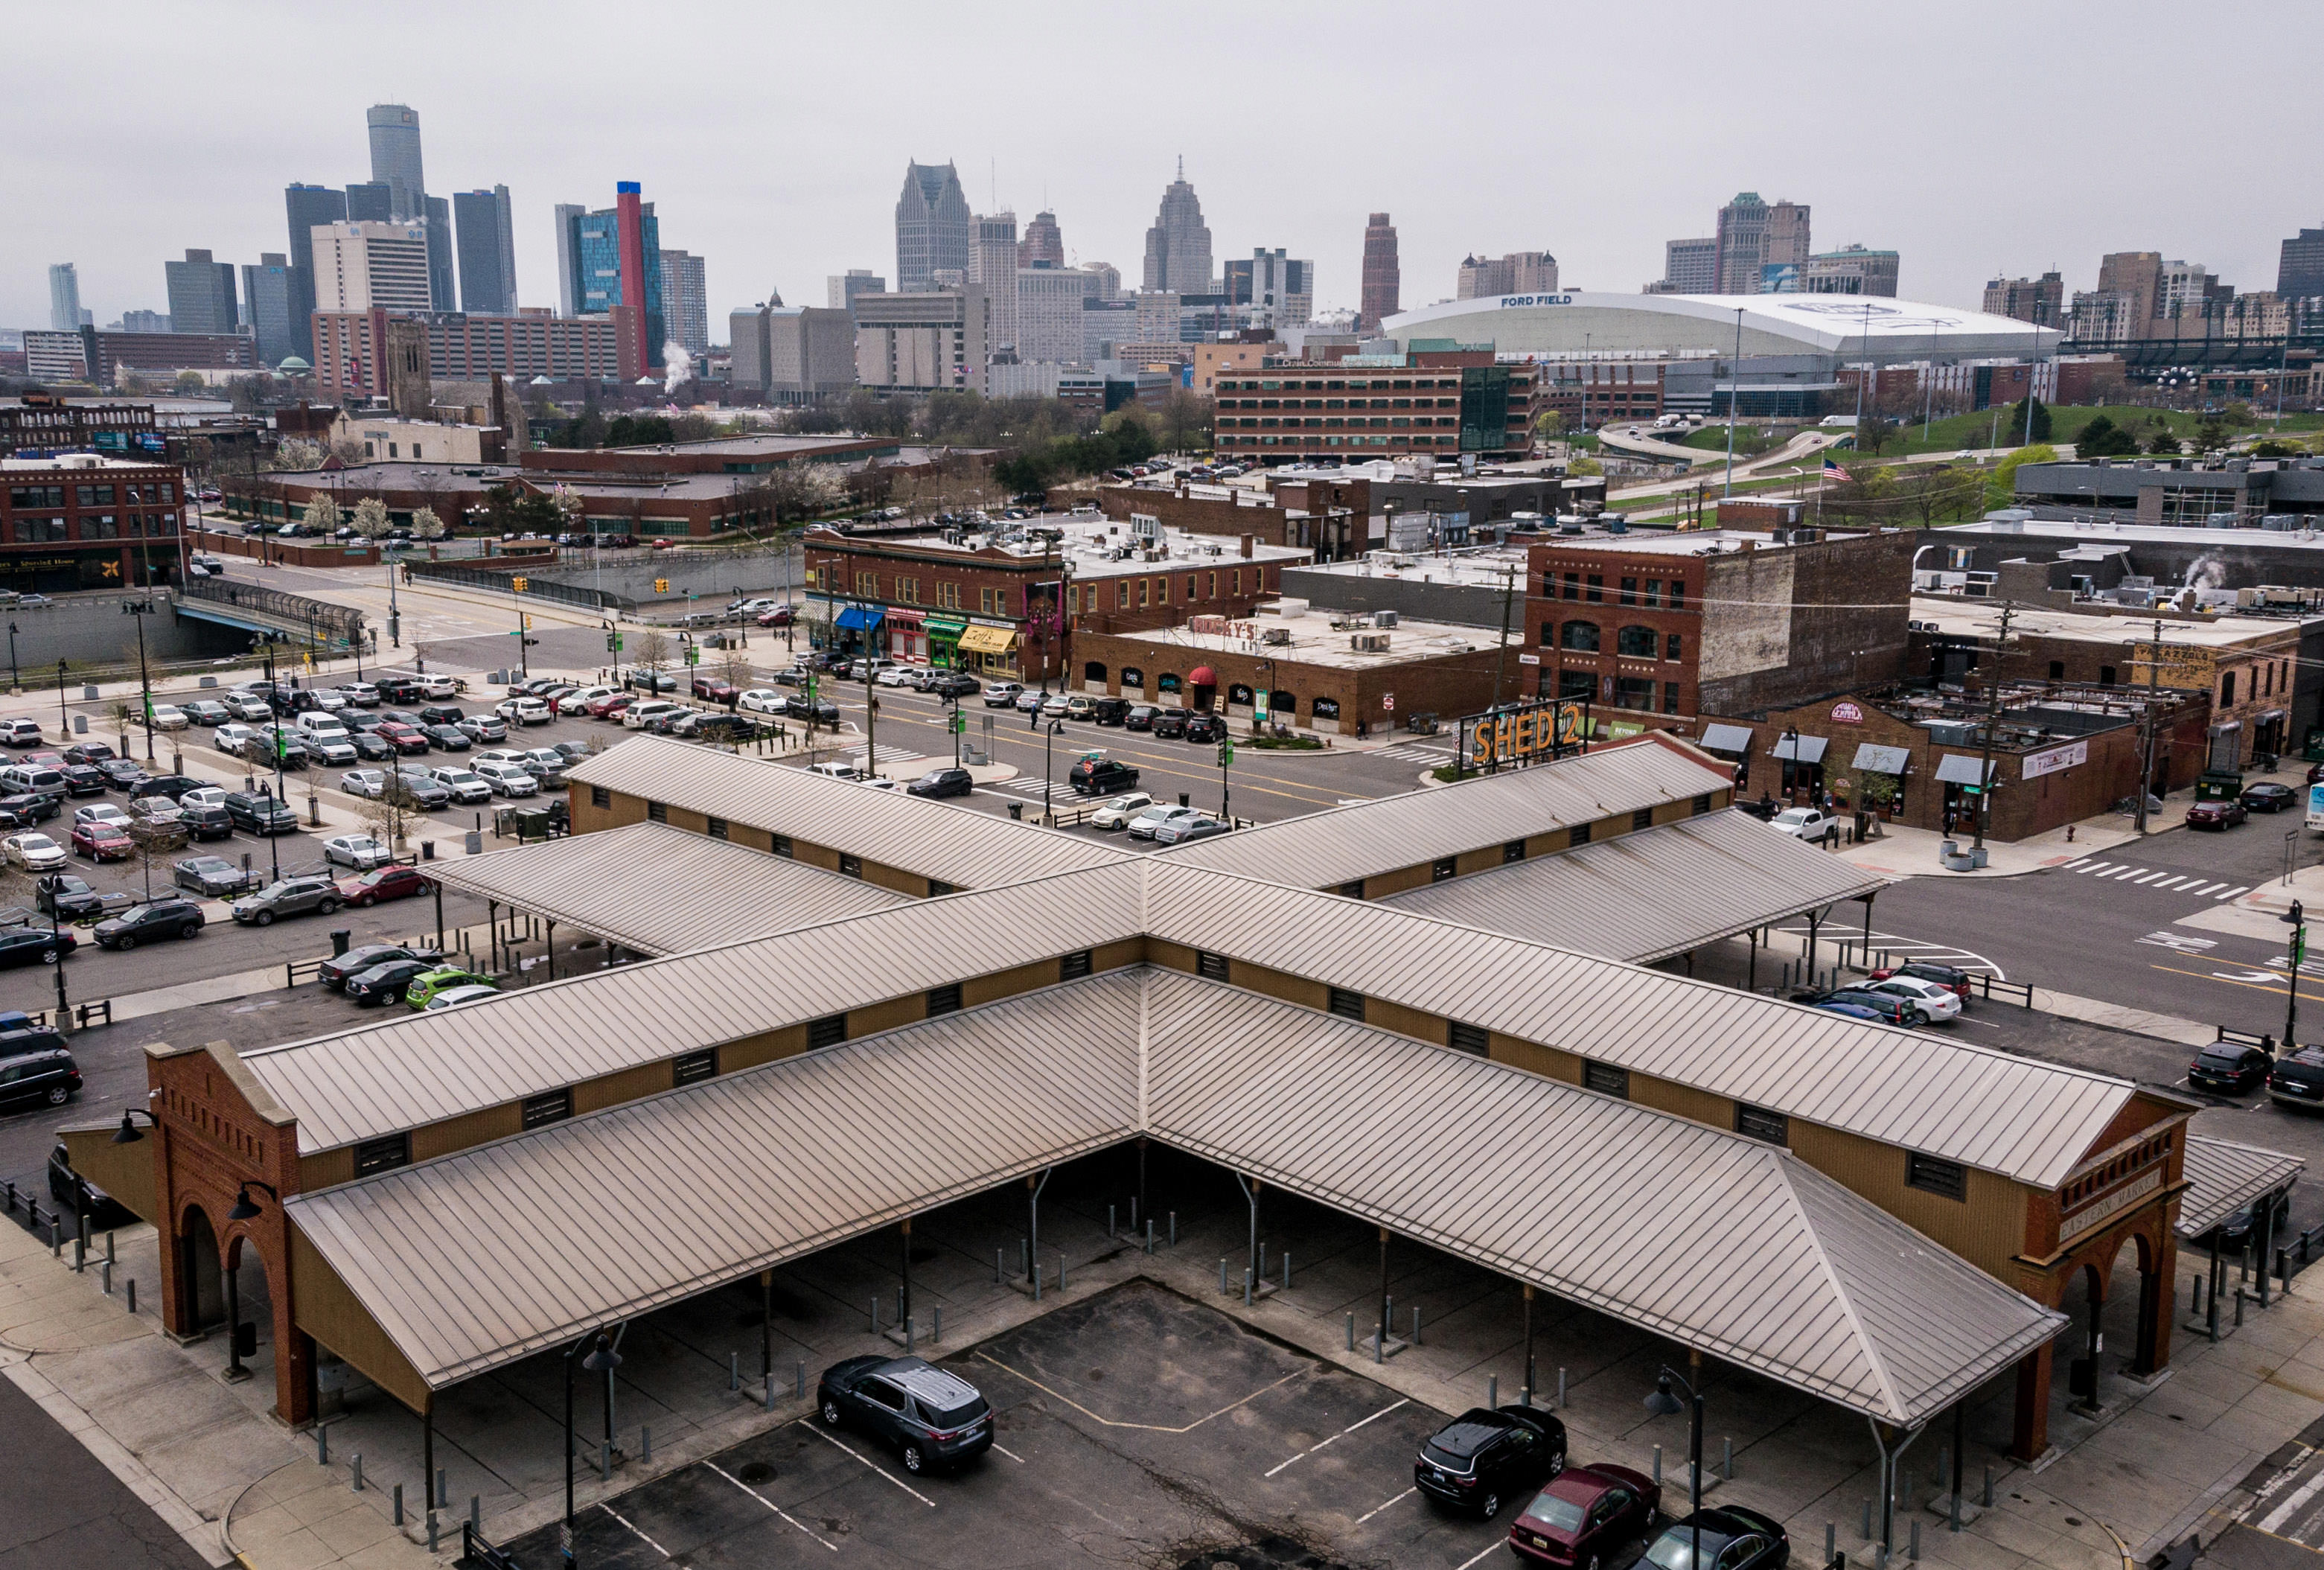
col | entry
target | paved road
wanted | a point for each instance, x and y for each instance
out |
(63, 1510)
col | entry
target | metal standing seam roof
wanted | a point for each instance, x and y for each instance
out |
(708, 892)
(952, 844)
(1325, 849)
(1644, 896)
(2224, 1178)
(423, 1068)
(482, 1257)
(2025, 1120)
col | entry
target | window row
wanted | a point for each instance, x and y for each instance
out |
(1592, 587)
(1343, 403)
(1393, 422)
(93, 526)
(1632, 643)
(1630, 692)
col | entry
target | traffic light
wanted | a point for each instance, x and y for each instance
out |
(661, 586)
(520, 584)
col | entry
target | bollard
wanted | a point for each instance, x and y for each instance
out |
(1524, 1397)
(997, 1255)
(1952, 1512)
(322, 1446)
(1415, 1325)
(2239, 1307)
(1024, 1258)
(1246, 1286)
(80, 1243)
(133, 1294)
(936, 1326)
(1492, 1392)
(1149, 1234)
(2283, 1268)
(1988, 1485)
(908, 1335)
(645, 1444)
(1880, 1558)
(105, 1276)
(1222, 1275)
(900, 1302)
(733, 1371)
(1867, 1521)
(1133, 1214)
(802, 1379)
(1658, 1466)
(2196, 1305)
(1037, 1281)
(476, 1512)
(604, 1460)
(108, 1249)
(354, 1472)
(443, 1500)
(1913, 1548)
(767, 1395)
(875, 1313)
(1173, 1229)
(56, 1240)
(1351, 1332)
(1109, 1221)
(1561, 1387)
(398, 1504)
(1830, 1541)
(1727, 1466)
(1286, 1269)
(431, 1531)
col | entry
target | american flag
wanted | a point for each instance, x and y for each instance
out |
(1832, 471)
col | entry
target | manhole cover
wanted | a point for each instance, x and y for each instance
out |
(756, 1472)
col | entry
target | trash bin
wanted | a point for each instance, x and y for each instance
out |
(1185, 799)
(476, 844)
(339, 942)
(426, 850)
(1016, 811)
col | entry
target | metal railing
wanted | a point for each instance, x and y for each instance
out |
(496, 579)
(1855, 955)
(475, 1549)
(337, 623)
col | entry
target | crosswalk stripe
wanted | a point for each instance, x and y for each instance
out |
(2231, 893)
(2147, 879)
(2088, 867)
(2079, 866)
(2172, 883)
(2205, 889)
(2125, 872)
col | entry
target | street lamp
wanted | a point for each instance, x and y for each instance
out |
(1049, 772)
(64, 719)
(394, 616)
(140, 609)
(601, 1359)
(16, 683)
(1662, 1403)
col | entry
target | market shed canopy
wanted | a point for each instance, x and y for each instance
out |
(2223, 1178)
(474, 1260)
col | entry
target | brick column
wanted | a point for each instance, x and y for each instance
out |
(2030, 1436)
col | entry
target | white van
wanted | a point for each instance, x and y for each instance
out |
(315, 724)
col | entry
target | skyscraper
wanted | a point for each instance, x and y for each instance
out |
(686, 300)
(201, 294)
(933, 226)
(2040, 300)
(1518, 273)
(64, 297)
(567, 213)
(435, 216)
(370, 202)
(361, 266)
(487, 252)
(1279, 291)
(1179, 245)
(1382, 283)
(1757, 243)
(616, 255)
(266, 295)
(843, 287)
(1689, 266)
(395, 157)
(993, 263)
(307, 206)
(1043, 243)
(2300, 270)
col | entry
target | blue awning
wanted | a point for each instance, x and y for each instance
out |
(861, 618)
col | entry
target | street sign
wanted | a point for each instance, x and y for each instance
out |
(1226, 753)
(959, 723)
(1528, 659)
(1388, 701)
(613, 642)
(693, 655)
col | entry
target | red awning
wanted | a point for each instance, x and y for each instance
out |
(1203, 676)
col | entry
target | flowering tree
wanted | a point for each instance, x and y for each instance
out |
(322, 513)
(426, 525)
(371, 518)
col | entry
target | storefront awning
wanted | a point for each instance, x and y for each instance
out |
(946, 626)
(981, 640)
(860, 618)
(1734, 739)
(1957, 769)
(1801, 749)
(1883, 760)
(901, 618)
(1203, 676)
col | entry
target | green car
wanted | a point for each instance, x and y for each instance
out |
(428, 983)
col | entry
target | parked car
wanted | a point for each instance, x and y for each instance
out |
(2297, 1079)
(305, 894)
(334, 973)
(34, 946)
(932, 1417)
(1807, 823)
(610, 705)
(258, 813)
(1896, 1011)
(383, 982)
(938, 782)
(121, 774)
(638, 715)
(953, 683)
(546, 765)
(75, 1196)
(20, 732)
(1028, 702)
(24, 809)
(101, 842)
(35, 1068)
(524, 711)
(420, 989)
(507, 779)
(2267, 796)
(370, 747)
(1169, 723)
(2220, 815)
(1109, 711)
(359, 851)
(1179, 830)
(2229, 1067)
(385, 883)
(72, 898)
(1147, 824)
(208, 711)
(760, 700)
(243, 705)
(361, 694)
(1728, 1537)
(1205, 728)
(485, 727)
(466, 788)
(1140, 716)
(444, 738)
(1586, 1516)
(1488, 1455)
(35, 853)
(1053, 707)
(166, 786)
(1940, 1003)
(102, 812)
(165, 918)
(1101, 776)
(169, 716)
(822, 711)
(1118, 812)
(1953, 978)
(1864, 1011)
(211, 877)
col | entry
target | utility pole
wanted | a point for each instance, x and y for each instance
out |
(2298, 918)
(1733, 397)
(1501, 662)
(2146, 767)
(1992, 721)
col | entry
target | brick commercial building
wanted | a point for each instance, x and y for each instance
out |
(993, 605)
(1234, 511)
(1717, 621)
(1420, 504)
(1441, 403)
(1321, 670)
(350, 347)
(84, 521)
(43, 421)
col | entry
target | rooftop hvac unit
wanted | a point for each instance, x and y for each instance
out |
(1368, 642)
(1274, 636)
(1383, 618)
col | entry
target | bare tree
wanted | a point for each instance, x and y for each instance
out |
(156, 840)
(651, 653)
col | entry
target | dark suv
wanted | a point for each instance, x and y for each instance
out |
(1110, 711)
(170, 917)
(2298, 1080)
(1485, 1456)
(933, 1418)
(34, 1066)
(1101, 777)
(260, 813)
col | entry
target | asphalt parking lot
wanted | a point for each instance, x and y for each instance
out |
(1137, 1427)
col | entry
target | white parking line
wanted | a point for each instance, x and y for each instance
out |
(1406, 1494)
(1342, 1434)
(1480, 1558)
(641, 1537)
(763, 1498)
(867, 1461)
(1010, 1453)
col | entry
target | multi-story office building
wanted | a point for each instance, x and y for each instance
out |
(924, 341)
(1279, 292)
(1108, 285)
(842, 287)
(1178, 245)
(1850, 270)
(64, 297)
(686, 301)
(1382, 279)
(993, 264)
(2040, 300)
(933, 226)
(568, 302)
(2103, 318)
(616, 260)
(371, 201)
(2137, 274)
(793, 354)
(442, 286)
(147, 322)
(85, 522)
(352, 346)
(266, 297)
(1045, 243)
(55, 356)
(2300, 270)
(1759, 243)
(395, 157)
(306, 206)
(1440, 403)
(201, 294)
(487, 251)
(359, 265)
(1110, 326)
(1049, 314)
(1689, 266)
(1518, 273)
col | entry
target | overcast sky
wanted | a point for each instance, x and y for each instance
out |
(1972, 137)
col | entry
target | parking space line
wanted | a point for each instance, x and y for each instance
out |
(1480, 1558)
(867, 1461)
(763, 1499)
(1149, 1428)
(641, 1537)
(1342, 1434)
(1009, 1452)
(1406, 1494)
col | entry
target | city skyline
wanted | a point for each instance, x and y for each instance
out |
(769, 222)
